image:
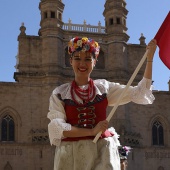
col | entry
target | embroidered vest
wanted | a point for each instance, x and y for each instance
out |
(87, 116)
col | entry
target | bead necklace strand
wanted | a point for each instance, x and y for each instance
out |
(84, 95)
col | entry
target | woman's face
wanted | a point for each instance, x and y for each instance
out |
(82, 63)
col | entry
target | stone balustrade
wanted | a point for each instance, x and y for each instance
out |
(84, 27)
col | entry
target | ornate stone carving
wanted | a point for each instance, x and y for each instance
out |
(132, 138)
(39, 135)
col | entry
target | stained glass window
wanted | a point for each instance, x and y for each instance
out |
(157, 133)
(7, 129)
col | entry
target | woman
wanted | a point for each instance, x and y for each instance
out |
(123, 153)
(78, 111)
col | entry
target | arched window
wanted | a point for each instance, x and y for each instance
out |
(7, 128)
(157, 134)
(52, 14)
(101, 61)
(67, 58)
(111, 21)
(118, 20)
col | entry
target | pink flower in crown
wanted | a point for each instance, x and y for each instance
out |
(96, 52)
(72, 48)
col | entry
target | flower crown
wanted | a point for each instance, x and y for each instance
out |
(124, 151)
(83, 44)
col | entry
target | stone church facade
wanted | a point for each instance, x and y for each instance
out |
(43, 63)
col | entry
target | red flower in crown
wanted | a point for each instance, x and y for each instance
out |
(76, 39)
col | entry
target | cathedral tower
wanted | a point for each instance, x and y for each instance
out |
(51, 16)
(40, 56)
(51, 32)
(115, 13)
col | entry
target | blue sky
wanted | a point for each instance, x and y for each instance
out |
(144, 16)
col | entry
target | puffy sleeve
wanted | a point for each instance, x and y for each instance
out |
(140, 94)
(57, 118)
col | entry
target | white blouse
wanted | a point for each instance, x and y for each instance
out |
(140, 94)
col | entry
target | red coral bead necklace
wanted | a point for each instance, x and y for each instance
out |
(85, 95)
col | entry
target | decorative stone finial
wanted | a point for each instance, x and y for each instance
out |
(142, 39)
(84, 22)
(69, 21)
(22, 29)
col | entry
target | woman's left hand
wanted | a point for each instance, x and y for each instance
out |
(151, 47)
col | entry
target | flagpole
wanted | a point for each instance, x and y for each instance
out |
(123, 93)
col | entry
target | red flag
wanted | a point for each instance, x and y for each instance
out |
(163, 41)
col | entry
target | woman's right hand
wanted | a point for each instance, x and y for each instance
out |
(101, 126)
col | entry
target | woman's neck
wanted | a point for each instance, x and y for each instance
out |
(82, 81)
